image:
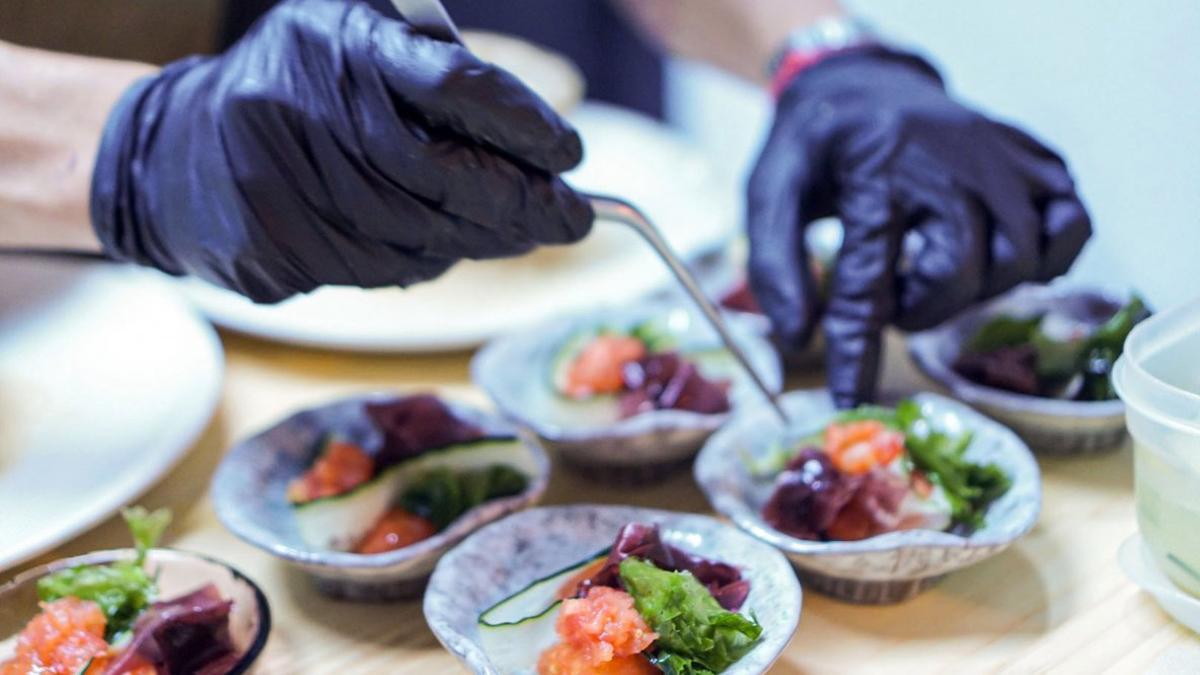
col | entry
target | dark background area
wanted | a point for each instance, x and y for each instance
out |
(618, 66)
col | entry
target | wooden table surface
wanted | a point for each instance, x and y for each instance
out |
(1056, 601)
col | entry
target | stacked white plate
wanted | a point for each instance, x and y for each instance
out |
(628, 155)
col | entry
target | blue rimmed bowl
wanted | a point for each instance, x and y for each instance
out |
(177, 573)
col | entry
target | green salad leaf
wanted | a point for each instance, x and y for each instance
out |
(121, 589)
(442, 495)
(969, 487)
(147, 527)
(1104, 347)
(1056, 359)
(654, 335)
(1003, 331)
(696, 636)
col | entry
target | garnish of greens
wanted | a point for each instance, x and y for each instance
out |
(696, 636)
(1008, 343)
(969, 487)
(442, 494)
(122, 589)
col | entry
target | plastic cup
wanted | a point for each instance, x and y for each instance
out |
(1158, 377)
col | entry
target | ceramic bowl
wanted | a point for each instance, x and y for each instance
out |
(515, 371)
(249, 495)
(502, 558)
(890, 567)
(177, 572)
(1050, 426)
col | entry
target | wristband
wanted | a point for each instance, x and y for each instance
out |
(807, 46)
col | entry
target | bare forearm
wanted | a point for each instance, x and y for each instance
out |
(52, 112)
(739, 36)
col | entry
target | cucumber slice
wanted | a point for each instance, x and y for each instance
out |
(714, 364)
(536, 599)
(339, 522)
(515, 631)
(514, 648)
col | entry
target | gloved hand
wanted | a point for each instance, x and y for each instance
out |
(941, 207)
(332, 145)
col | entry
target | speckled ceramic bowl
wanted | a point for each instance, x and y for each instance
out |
(502, 558)
(249, 495)
(516, 373)
(177, 572)
(1050, 426)
(887, 568)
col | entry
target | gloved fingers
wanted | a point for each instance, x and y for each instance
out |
(1066, 228)
(863, 294)
(780, 274)
(483, 188)
(390, 215)
(942, 272)
(450, 88)
(1015, 237)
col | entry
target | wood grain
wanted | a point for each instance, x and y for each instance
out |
(1055, 602)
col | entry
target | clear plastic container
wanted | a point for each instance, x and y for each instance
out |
(1158, 377)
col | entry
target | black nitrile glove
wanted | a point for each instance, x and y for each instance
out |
(332, 145)
(941, 207)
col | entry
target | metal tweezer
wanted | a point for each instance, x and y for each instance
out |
(430, 17)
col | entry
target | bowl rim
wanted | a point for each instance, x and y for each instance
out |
(445, 632)
(925, 349)
(231, 514)
(1135, 382)
(107, 556)
(709, 465)
(744, 328)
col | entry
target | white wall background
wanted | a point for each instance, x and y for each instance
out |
(1114, 85)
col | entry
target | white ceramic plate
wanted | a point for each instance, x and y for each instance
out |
(628, 155)
(106, 378)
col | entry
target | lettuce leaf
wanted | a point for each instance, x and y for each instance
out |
(122, 589)
(696, 636)
(1003, 331)
(442, 495)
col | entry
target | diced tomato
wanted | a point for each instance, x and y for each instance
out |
(597, 369)
(61, 640)
(858, 447)
(567, 590)
(604, 625)
(920, 484)
(340, 468)
(395, 529)
(563, 659)
(601, 633)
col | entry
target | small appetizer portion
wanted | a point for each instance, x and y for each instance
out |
(430, 468)
(642, 369)
(1052, 354)
(875, 470)
(109, 620)
(641, 606)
